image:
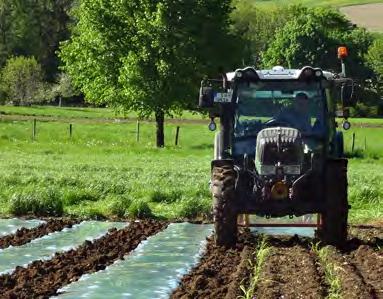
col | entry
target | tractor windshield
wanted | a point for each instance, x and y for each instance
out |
(293, 104)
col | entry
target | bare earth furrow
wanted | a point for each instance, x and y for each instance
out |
(219, 273)
(42, 279)
(369, 263)
(353, 285)
(290, 272)
(25, 235)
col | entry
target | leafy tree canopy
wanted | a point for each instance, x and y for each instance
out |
(311, 37)
(22, 80)
(145, 55)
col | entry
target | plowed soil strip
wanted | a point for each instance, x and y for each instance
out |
(152, 270)
(10, 226)
(353, 285)
(369, 263)
(290, 271)
(45, 247)
(216, 273)
(44, 278)
(25, 235)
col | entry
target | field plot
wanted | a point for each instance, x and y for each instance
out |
(154, 259)
(288, 267)
(367, 15)
(10, 226)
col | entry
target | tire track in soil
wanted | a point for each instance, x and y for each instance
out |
(219, 273)
(291, 271)
(42, 279)
(25, 235)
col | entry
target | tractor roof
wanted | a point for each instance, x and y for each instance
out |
(279, 73)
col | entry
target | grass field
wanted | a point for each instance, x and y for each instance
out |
(67, 113)
(103, 171)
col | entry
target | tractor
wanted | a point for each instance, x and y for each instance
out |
(278, 151)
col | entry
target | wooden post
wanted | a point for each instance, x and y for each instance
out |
(34, 129)
(177, 134)
(138, 131)
(353, 142)
(70, 131)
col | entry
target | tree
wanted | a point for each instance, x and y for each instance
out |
(375, 60)
(311, 37)
(64, 88)
(22, 80)
(147, 56)
(34, 28)
(257, 26)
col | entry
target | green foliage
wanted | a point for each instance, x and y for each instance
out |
(147, 56)
(312, 36)
(374, 59)
(119, 205)
(64, 87)
(37, 202)
(139, 209)
(257, 25)
(34, 28)
(102, 169)
(22, 80)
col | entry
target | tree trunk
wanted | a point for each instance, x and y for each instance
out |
(160, 119)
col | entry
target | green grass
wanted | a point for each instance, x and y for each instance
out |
(335, 3)
(79, 113)
(102, 171)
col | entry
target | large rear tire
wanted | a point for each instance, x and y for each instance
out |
(225, 215)
(334, 217)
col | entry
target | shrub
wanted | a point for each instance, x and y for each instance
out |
(22, 80)
(194, 207)
(40, 203)
(76, 196)
(118, 206)
(139, 209)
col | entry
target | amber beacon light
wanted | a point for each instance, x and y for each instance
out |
(342, 52)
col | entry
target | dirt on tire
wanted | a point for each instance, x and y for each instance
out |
(25, 235)
(42, 279)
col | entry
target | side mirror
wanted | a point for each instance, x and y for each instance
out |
(347, 93)
(206, 97)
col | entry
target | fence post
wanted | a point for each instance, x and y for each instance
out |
(353, 142)
(34, 129)
(70, 131)
(138, 131)
(177, 134)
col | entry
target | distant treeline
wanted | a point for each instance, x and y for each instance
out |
(35, 68)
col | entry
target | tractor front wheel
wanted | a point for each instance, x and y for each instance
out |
(225, 215)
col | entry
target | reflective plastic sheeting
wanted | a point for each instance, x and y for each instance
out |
(152, 270)
(46, 246)
(290, 231)
(10, 226)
